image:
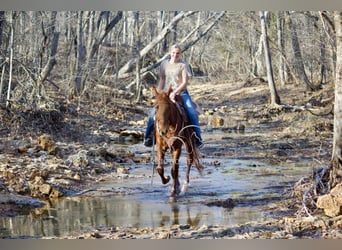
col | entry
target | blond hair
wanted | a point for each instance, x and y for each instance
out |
(176, 46)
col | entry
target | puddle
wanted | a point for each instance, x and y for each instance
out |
(140, 200)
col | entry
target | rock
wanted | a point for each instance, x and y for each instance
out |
(55, 194)
(77, 177)
(38, 180)
(45, 189)
(116, 152)
(47, 143)
(228, 203)
(79, 160)
(218, 122)
(37, 172)
(136, 134)
(332, 202)
(122, 170)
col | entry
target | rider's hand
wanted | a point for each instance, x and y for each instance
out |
(172, 96)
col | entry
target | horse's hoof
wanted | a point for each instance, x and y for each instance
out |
(166, 180)
(184, 188)
(173, 195)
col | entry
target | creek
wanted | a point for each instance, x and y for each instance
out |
(138, 199)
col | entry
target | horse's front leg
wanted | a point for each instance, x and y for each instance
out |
(174, 172)
(160, 168)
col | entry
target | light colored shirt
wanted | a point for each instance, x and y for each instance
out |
(174, 73)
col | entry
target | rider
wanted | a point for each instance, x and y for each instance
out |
(175, 73)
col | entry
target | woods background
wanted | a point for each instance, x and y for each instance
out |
(72, 51)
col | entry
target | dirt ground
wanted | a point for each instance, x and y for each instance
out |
(41, 154)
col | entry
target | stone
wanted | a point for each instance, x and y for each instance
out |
(47, 143)
(45, 189)
(332, 202)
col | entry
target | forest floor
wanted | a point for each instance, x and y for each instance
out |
(52, 154)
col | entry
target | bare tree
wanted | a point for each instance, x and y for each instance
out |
(2, 21)
(128, 66)
(336, 166)
(12, 25)
(101, 34)
(274, 100)
(3, 64)
(281, 45)
(186, 42)
(298, 59)
(257, 64)
(52, 36)
(85, 55)
(80, 55)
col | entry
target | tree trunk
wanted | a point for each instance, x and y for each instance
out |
(281, 45)
(137, 51)
(192, 48)
(96, 41)
(175, 32)
(12, 19)
(80, 55)
(52, 50)
(2, 81)
(132, 22)
(274, 95)
(199, 35)
(257, 60)
(298, 59)
(323, 60)
(336, 166)
(160, 26)
(2, 18)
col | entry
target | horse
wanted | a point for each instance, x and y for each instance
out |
(171, 132)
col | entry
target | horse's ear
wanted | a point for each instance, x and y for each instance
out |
(154, 91)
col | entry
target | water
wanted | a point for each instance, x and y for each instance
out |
(140, 200)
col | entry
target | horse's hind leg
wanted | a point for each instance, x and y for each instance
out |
(187, 177)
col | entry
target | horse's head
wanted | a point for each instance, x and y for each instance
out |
(164, 109)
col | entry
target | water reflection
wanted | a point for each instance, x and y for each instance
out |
(177, 216)
(78, 214)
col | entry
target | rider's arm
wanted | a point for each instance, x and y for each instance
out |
(182, 85)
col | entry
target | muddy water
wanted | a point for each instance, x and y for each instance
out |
(138, 199)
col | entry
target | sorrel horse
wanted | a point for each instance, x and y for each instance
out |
(172, 131)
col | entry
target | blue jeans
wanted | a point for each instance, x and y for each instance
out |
(190, 110)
